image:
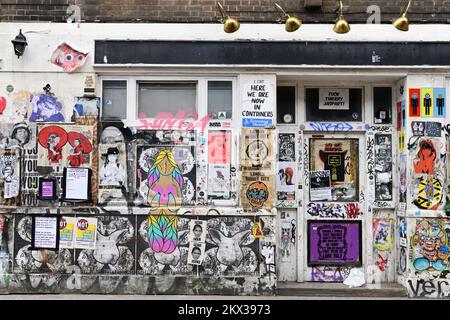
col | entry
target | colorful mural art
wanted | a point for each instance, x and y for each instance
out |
(46, 108)
(430, 245)
(68, 58)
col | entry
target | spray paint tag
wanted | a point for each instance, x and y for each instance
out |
(257, 230)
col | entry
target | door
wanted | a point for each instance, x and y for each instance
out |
(333, 205)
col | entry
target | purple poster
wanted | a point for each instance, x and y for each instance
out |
(334, 243)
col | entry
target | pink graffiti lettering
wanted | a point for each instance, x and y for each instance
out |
(352, 210)
(168, 121)
(381, 263)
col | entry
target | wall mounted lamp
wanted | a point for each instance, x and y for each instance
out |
(402, 23)
(230, 25)
(19, 43)
(292, 23)
(341, 25)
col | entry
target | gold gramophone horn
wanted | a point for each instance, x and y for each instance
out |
(230, 25)
(292, 23)
(402, 23)
(341, 26)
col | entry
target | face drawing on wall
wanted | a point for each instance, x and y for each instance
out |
(68, 58)
(257, 152)
(81, 147)
(53, 138)
(112, 172)
(257, 194)
(430, 246)
(46, 108)
(229, 252)
(426, 158)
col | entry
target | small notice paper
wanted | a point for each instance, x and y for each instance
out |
(77, 184)
(45, 233)
(320, 185)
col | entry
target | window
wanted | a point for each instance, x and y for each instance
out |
(285, 105)
(342, 104)
(220, 99)
(382, 105)
(179, 99)
(339, 158)
(114, 99)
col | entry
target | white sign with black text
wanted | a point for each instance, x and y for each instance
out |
(334, 99)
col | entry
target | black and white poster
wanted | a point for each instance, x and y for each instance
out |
(45, 233)
(320, 185)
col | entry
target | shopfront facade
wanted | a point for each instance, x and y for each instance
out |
(294, 157)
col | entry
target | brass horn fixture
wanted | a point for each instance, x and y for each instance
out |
(402, 23)
(292, 23)
(230, 25)
(341, 26)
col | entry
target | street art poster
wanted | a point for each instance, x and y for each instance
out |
(320, 185)
(414, 102)
(76, 184)
(46, 108)
(197, 231)
(334, 243)
(112, 165)
(383, 167)
(86, 106)
(67, 233)
(196, 253)
(10, 173)
(219, 164)
(341, 158)
(257, 149)
(286, 147)
(428, 194)
(428, 157)
(258, 190)
(68, 58)
(402, 232)
(65, 145)
(427, 102)
(15, 107)
(44, 233)
(430, 245)
(418, 128)
(439, 102)
(286, 179)
(258, 104)
(20, 135)
(383, 234)
(86, 233)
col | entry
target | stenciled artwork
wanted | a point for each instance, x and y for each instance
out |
(46, 108)
(439, 102)
(68, 58)
(340, 157)
(427, 102)
(65, 145)
(430, 245)
(219, 164)
(257, 149)
(414, 102)
(334, 243)
(383, 167)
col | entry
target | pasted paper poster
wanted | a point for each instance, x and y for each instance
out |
(320, 185)
(45, 233)
(67, 232)
(86, 233)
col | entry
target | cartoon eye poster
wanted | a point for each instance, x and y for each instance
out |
(340, 157)
(65, 145)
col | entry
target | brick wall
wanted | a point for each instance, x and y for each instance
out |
(427, 11)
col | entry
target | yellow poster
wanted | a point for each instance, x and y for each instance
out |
(427, 102)
(66, 232)
(86, 233)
